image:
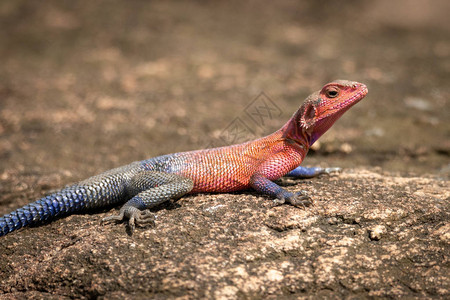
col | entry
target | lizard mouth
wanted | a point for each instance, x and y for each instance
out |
(334, 112)
(342, 107)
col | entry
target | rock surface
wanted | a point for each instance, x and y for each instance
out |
(368, 234)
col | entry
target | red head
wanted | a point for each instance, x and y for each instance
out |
(321, 109)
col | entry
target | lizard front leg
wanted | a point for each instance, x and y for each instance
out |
(268, 187)
(305, 172)
(149, 189)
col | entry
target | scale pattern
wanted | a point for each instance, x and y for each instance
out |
(98, 191)
(142, 185)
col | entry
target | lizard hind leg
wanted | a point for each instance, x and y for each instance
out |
(149, 189)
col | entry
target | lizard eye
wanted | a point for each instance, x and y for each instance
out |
(332, 93)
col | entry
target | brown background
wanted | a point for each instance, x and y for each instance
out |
(86, 86)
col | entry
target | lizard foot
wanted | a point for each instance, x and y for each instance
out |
(135, 216)
(299, 199)
(141, 218)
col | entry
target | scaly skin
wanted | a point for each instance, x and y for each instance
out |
(253, 164)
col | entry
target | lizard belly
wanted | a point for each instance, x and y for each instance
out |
(216, 170)
(218, 177)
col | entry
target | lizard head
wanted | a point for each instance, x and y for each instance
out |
(321, 109)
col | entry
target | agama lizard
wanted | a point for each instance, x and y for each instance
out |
(255, 164)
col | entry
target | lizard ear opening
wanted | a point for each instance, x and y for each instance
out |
(309, 113)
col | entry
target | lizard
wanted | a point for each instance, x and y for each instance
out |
(145, 184)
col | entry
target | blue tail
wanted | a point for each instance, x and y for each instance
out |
(59, 204)
(106, 189)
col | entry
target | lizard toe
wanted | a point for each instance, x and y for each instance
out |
(300, 199)
(131, 224)
(138, 217)
(117, 218)
(145, 218)
(134, 216)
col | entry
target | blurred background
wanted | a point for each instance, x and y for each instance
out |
(90, 85)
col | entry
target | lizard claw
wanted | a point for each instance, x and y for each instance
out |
(117, 218)
(135, 217)
(144, 218)
(300, 199)
(141, 218)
